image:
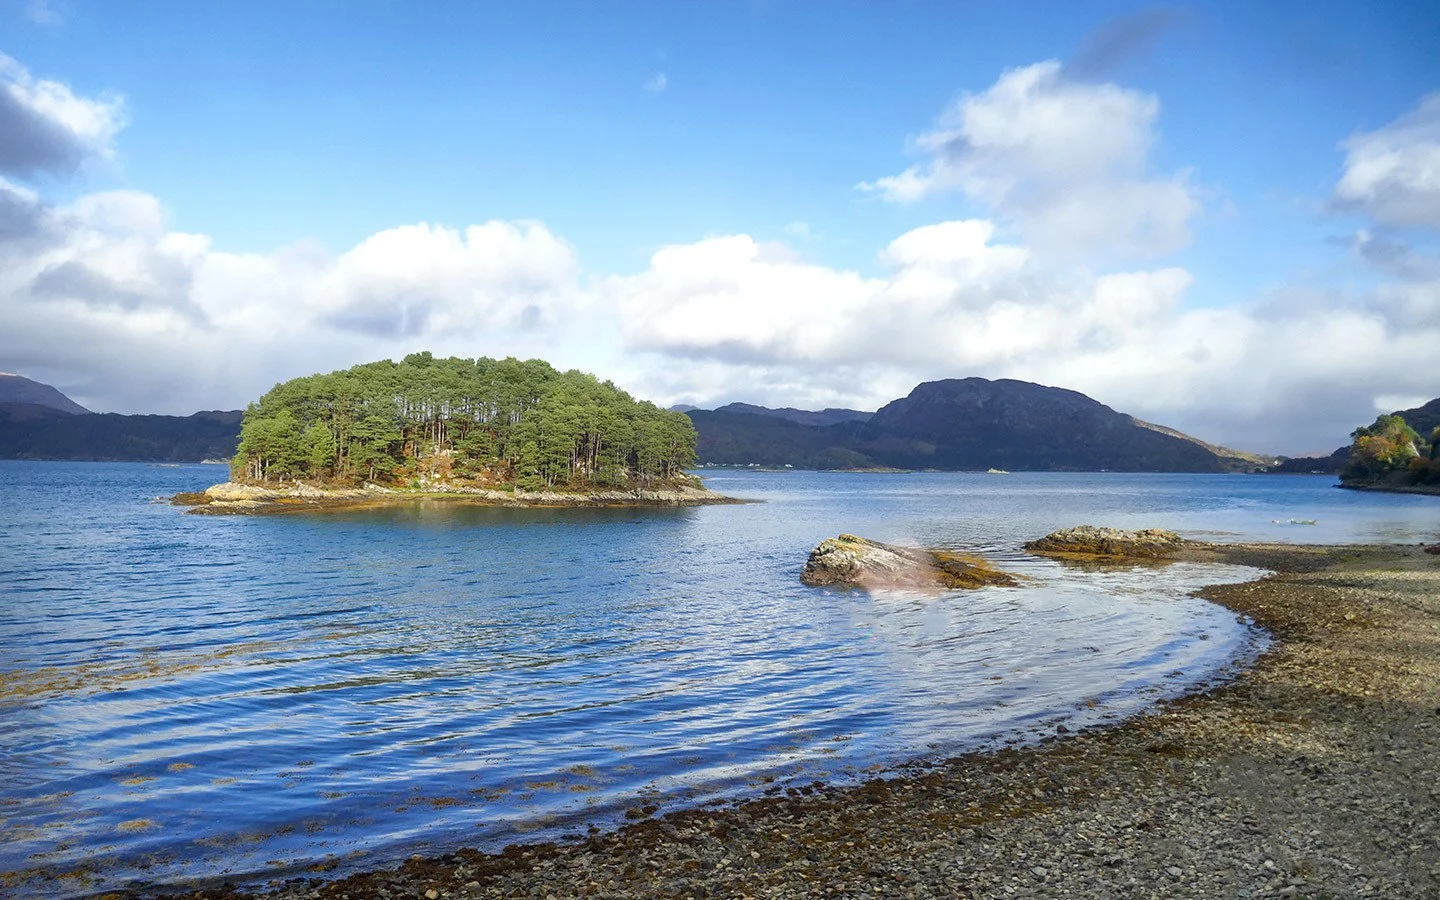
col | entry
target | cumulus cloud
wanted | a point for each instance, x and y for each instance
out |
(46, 128)
(732, 318)
(1064, 161)
(102, 297)
(145, 319)
(1392, 174)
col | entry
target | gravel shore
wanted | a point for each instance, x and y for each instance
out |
(1313, 775)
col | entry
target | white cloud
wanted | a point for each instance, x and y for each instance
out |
(101, 297)
(656, 83)
(45, 127)
(1064, 161)
(1392, 174)
(730, 318)
(146, 319)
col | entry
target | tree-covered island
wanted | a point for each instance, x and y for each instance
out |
(1392, 455)
(464, 426)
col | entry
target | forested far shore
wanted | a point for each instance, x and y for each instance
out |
(491, 421)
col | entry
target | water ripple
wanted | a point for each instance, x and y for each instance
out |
(183, 696)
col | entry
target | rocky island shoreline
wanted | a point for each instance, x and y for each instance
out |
(1312, 775)
(234, 498)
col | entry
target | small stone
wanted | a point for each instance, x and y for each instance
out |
(1041, 871)
(432, 894)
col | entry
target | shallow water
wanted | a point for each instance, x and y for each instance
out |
(185, 696)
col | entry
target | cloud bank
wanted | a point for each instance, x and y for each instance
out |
(102, 298)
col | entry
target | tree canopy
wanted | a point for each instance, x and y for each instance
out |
(1391, 445)
(493, 421)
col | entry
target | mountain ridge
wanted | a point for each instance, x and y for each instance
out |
(965, 424)
(17, 389)
(957, 424)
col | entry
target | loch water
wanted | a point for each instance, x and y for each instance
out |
(185, 697)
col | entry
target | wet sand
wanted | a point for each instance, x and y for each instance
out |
(1315, 774)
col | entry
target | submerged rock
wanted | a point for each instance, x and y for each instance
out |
(1089, 540)
(848, 559)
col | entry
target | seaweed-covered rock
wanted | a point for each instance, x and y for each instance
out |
(1089, 540)
(852, 560)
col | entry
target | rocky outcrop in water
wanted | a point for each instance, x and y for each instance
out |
(234, 497)
(1089, 540)
(852, 560)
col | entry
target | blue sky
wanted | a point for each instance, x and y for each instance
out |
(621, 129)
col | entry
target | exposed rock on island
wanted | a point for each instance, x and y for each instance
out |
(233, 498)
(1109, 543)
(852, 560)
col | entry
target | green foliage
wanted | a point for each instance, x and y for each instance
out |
(1389, 445)
(501, 421)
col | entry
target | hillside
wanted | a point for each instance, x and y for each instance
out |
(17, 389)
(1313, 465)
(798, 416)
(964, 424)
(740, 439)
(1424, 419)
(1238, 460)
(29, 431)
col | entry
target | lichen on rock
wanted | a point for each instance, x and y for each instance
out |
(1113, 543)
(858, 561)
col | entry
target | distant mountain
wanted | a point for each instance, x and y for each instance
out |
(19, 389)
(1423, 419)
(1239, 459)
(799, 416)
(973, 423)
(31, 431)
(963, 424)
(731, 438)
(1313, 465)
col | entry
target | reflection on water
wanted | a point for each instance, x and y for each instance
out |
(185, 696)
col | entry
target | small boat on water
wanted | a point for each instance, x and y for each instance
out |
(996, 472)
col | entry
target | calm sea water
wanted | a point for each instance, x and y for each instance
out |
(184, 696)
